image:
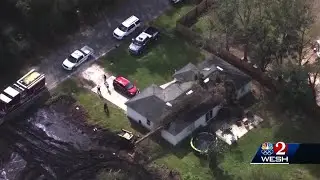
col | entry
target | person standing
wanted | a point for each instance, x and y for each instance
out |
(106, 109)
(104, 77)
(107, 85)
(98, 90)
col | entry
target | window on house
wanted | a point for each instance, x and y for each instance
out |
(209, 115)
(148, 122)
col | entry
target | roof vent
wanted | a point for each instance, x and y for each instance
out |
(168, 104)
(189, 92)
(206, 80)
(206, 69)
(218, 67)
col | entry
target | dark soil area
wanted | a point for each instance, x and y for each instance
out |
(56, 143)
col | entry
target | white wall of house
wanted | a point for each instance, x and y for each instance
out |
(175, 139)
(169, 137)
(139, 118)
(244, 90)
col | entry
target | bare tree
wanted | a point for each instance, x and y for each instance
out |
(245, 14)
(313, 75)
(223, 19)
(304, 22)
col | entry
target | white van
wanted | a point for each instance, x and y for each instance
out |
(127, 27)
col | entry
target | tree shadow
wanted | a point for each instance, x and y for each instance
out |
(219, 173)
(297, 127)
(5, 152)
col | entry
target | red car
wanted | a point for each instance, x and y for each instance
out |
(124, 86)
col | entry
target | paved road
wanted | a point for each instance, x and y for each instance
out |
(99, 37)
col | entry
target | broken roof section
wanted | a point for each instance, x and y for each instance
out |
(185, 94)
(149, 103)
(187, 73)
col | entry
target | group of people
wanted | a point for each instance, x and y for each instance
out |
(105, 83)
(105, 105)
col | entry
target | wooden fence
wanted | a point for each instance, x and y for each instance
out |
(191, 17)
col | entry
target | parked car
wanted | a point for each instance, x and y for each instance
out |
(126, 27)
(77, 58)
(143, 40)
(124, 86)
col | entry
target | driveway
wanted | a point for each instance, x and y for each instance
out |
(94, 73)
(99, 37)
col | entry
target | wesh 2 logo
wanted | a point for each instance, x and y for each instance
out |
(274, 153)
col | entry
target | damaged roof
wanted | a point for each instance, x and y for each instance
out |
(149, 103)
(186, 73)
(155, 102)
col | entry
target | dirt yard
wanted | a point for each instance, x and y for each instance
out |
(56, 143)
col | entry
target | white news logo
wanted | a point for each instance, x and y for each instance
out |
(275, 159)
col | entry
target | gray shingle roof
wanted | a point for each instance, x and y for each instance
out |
(186, 73)
(151, 102)
(198, 103)
(174, 90)
(239, 77)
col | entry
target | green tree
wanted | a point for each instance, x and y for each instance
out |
(290, 21)
(296, 91)
(246, 11)
(37, 22)
(263, 40)
(190, 176)
(224, 19)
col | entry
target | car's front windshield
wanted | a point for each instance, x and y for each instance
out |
(123, 28)
(137, 42)
(72, 59)
(129, 86)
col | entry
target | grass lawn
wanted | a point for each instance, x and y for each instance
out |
(206, 25)
(203, 25)
(168, 20)
(156, 65)
(279, 126)
(94, 106)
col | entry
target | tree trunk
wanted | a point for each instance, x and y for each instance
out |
(227, 42)
(245, 51)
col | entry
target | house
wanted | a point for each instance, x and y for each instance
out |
(185, 104)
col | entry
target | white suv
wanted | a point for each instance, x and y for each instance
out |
(127, 27)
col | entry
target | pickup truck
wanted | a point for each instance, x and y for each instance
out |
(143, 40)
(77, 58)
